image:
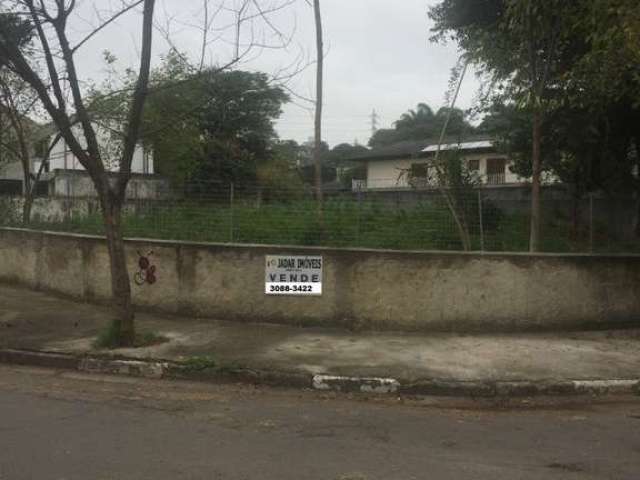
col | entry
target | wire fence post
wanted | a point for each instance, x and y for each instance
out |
(67, 202)
(358, 213)
(231, 195)
(481, 220)
(591, 229)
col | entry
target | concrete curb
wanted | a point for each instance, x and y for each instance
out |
(433, 387)
(355, 384)
(39, 359)
(132, 368)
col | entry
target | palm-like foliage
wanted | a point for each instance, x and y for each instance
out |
(421, 115)
(421, 124)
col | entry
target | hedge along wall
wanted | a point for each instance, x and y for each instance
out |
(368, 289)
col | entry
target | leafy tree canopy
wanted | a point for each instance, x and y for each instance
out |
(341, 152)
(212, 125)
(206, 126)
(14, 30)
(579, 61)
(587, 150)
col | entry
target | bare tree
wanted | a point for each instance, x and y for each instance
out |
(18, 102)
(457, 214)
(15, 103)
(50, 22)
(61, 93)
(442, 179)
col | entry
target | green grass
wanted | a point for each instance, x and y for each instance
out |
(199, 364)
(345, 223)
(108, 339)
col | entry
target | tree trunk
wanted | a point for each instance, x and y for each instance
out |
(534, 239)
(26, 193)
(637, 226)
(27, 187)
(26, 209)
(443, 177)
(318, 114)
(637, 229)
(120, 284)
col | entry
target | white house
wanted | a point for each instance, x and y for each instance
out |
(64, 175)
(388, 167)
(61, 157)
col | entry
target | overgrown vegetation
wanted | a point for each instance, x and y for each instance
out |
(369, 223)
(562, 88)
(9, 214)
(109, 339)
(199, 364)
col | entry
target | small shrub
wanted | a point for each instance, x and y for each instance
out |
(9, 214)
(109, 339)
(199, 363)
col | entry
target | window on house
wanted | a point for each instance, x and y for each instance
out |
(419, 170)
(496, 171)
(419, 175)
(473, 165)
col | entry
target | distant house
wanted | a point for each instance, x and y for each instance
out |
(388, 167)
(64, 175)
(11, 171)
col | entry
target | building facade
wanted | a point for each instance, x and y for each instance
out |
(62, 158)
(64, 176)
(410, 165)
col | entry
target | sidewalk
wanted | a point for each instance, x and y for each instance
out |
(36, 321)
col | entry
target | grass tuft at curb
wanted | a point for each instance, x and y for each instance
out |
(109, 338)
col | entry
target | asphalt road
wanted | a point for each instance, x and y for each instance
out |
(66, 425)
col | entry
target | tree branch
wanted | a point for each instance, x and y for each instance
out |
(139, 97)
(105, 24)
(43, 162)
(51, 67)
(74, 84)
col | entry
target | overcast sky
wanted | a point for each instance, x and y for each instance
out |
(378, 56)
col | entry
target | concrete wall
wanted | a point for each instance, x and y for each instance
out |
(77, 183)
(54, 210)
(60, 209)
(362, 288)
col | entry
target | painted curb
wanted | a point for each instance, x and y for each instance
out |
(453, 388)
(132, 368)
(157, 369)
(355, 384)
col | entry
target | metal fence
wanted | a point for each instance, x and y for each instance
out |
(408, 220)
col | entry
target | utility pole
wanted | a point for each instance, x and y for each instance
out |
(318, 113)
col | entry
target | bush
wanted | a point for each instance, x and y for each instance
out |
(9, 211)
(109, 339)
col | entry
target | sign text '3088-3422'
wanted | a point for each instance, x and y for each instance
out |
(293, 275)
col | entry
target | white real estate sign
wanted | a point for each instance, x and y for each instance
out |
(293, 275)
